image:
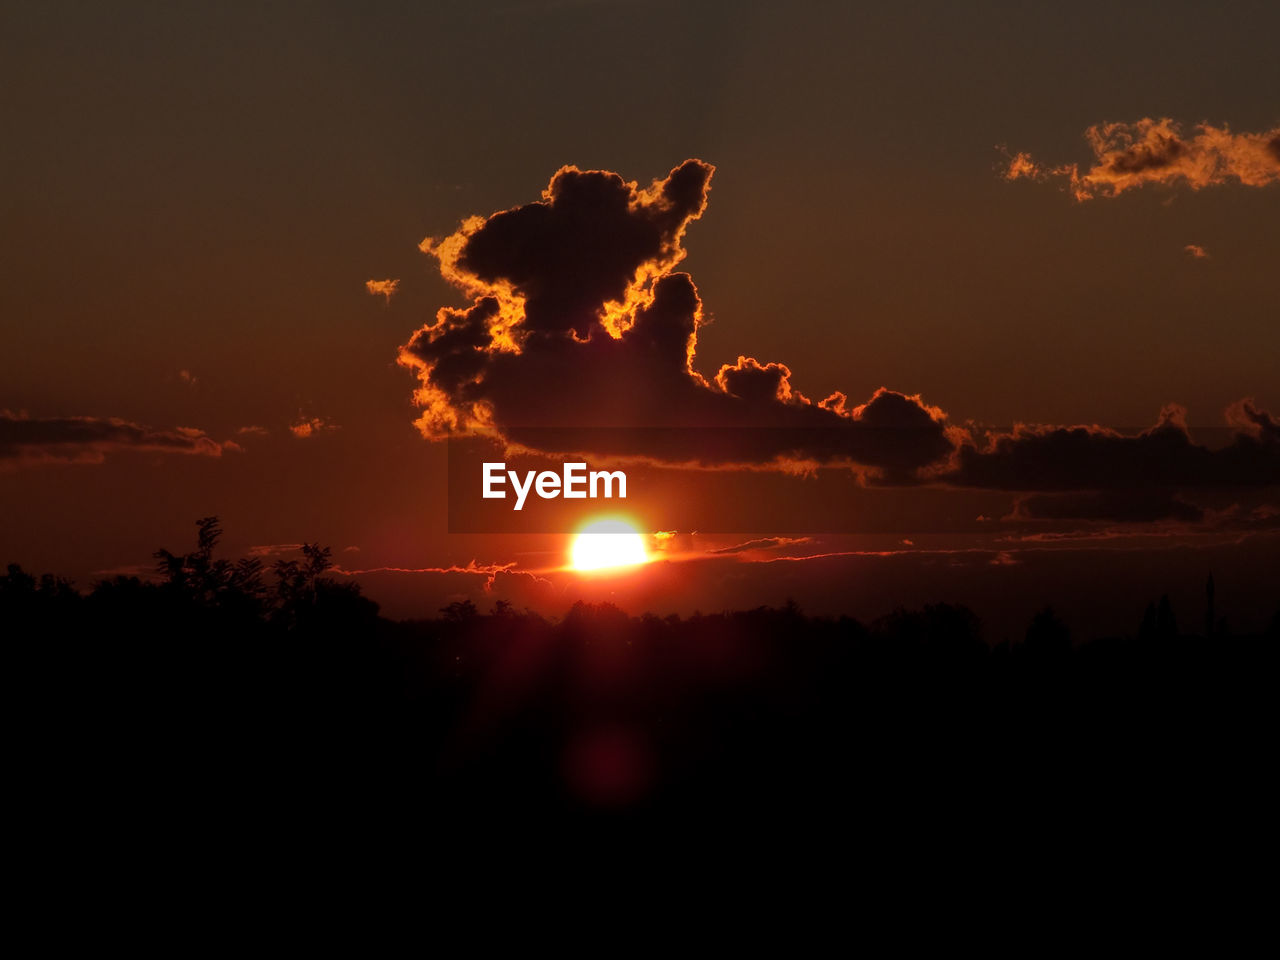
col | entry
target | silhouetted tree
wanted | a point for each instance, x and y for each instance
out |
(459, 611)
(942, 630)
(1048, 634)
(199, 580)
(299, 584)
(1166, 623)
(1148, 631)
(49, 603)
(766, 711)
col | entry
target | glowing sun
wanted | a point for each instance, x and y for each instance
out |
(608, 543)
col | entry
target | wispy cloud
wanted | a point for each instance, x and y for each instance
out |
(275, 549)
(1131, 155)
(490, 572)
(26, 440)
(763, 543)
(306, 427)
(382, 288)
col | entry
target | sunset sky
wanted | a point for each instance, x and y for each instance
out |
(995, 215)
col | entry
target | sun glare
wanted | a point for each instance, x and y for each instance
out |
(608, 543)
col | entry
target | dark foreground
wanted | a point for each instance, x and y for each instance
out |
(213, 708)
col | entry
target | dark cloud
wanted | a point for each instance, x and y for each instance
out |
(1094, 458)
(26, 440)
(1117, 506)
(579, 321)
(1254, 422)
(1158, 152)
(588, 242)
(582, 338)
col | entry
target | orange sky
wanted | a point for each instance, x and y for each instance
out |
(195, 202)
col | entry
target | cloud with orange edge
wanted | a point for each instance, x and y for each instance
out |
(1127, 156)
(581, 336)
(382, 288)
(306, 427)
(578, 319)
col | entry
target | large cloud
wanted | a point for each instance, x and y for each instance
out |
(26, 440)
(581, 336)
(1130, 155)
(578, 320)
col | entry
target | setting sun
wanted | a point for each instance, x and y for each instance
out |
(608, 543)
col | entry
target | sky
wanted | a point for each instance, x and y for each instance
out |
(922, 198)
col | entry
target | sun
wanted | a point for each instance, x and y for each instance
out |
(607, 543)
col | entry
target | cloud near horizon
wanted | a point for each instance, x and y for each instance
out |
(26, 441)
(1150, 151)
(1094, 458)
(1117, 506)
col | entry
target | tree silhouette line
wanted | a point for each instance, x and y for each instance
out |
(285, 676)
(194, 592)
